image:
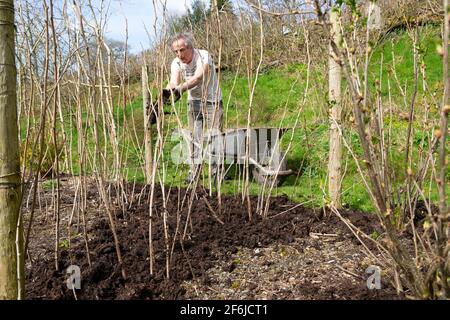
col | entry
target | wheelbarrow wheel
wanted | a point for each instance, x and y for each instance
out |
(262, 178)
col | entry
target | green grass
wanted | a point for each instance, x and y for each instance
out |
(394, 58)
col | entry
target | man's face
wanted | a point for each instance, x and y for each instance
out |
(182, 51)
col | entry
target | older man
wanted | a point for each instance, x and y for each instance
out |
(193, 70)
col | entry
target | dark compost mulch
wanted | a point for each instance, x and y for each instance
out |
(207, 242)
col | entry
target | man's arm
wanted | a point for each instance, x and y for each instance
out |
(175, 77)
(201, 71)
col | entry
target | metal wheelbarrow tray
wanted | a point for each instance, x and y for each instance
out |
(259, 147)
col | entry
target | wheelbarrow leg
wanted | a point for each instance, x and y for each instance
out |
(271, 174)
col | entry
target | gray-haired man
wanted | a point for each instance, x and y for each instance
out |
(193, 70)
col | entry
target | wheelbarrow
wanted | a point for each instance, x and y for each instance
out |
(259, 147)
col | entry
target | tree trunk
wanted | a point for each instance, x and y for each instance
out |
(147, 126)
(334, 95)
(444, 115)
(11, 272)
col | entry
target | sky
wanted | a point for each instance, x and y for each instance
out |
(140, 15)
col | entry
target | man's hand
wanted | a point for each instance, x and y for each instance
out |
(167, 94)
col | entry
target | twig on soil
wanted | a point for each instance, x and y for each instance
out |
(356, 232)
(294, 207)
(212, 289)
(196, 291)
(317, 235)
(212, 211)
(350, 273)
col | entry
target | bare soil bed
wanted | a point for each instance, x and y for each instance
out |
(295, 253)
